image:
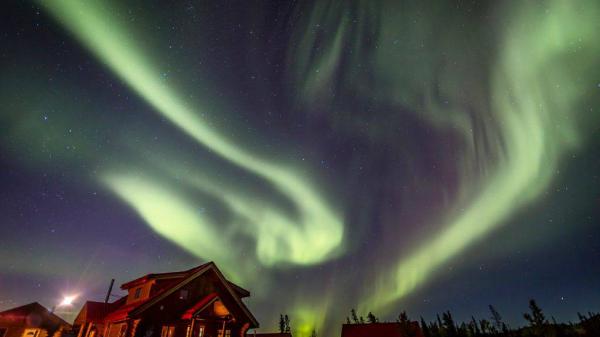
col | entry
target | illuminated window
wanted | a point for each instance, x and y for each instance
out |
(123, 330)
(183, 294)
(138, 291)
(227, 333)
(167, 331)
(201, 331)
(31, 333)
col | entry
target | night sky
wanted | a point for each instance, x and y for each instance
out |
(383, 156)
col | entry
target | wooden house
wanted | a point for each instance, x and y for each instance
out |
(199, 302)
(31, 320)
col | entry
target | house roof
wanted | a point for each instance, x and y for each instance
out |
(33, 314)
(200, 305)
(158, 276)
(379, 330)
(97, 312)
(178, 276)
(172, 282)
(191, 275)
(122, 312)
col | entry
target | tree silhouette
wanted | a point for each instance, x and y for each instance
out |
(497, 320)
(281, 323)
(425, 328)
(371, 318)
(405, 325)
(474, 327)
(536, 318)
(287, 324)
(449, 324)
(485, 326)
(354, 316)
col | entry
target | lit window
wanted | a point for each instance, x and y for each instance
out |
(31, 332)
(138, 291)
(123, 330)
(183, 294)
(167, 331)
(201, 331)
(227, 333)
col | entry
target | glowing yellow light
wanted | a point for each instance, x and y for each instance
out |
(68, 300)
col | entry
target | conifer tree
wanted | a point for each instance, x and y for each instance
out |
(497, 319)
(425, 328)
(354, 316)
(474, 321)
(484, 325)
(288, 329)
(449, 324)
(536, 318)
(281, 324)
(371, 318)
(405, 325)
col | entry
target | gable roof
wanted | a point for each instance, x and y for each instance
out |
(200, 305)
(158, 276)
(93, 311)
(25, 313)
(191, 275)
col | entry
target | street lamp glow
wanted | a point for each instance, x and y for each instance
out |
(67, 300)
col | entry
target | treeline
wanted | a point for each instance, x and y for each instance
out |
(445, 326)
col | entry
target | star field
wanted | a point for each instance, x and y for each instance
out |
(328, 155)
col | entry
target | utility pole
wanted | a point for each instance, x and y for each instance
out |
(112, 282)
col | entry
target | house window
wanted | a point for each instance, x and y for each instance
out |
(201, 331)
(123, 330)
(138, 291)
(3, 332)
(183, 294)
(31, 333)
(167, 331)
(227, 333)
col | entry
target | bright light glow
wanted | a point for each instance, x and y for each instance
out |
(68, 300)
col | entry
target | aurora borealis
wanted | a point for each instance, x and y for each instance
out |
(376, 155)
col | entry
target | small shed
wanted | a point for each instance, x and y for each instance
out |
(31, 320)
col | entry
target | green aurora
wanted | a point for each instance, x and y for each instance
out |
(517, 113)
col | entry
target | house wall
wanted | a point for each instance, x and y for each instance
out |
(116, 330)
(18, 330)
(12, 331)
(144, 293)
(171, 308)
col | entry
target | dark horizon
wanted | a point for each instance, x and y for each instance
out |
(385, 156)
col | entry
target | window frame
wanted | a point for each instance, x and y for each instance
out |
(184, 294)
